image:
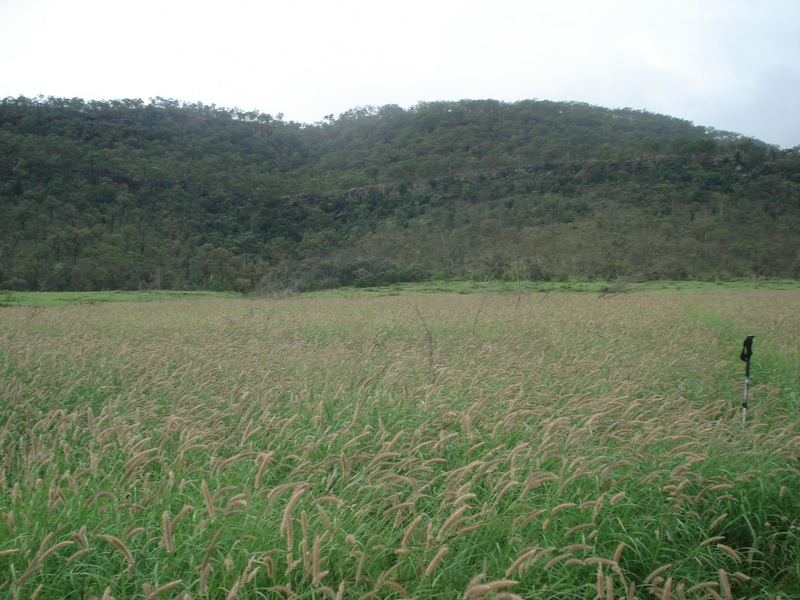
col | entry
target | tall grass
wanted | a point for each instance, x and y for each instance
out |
(445, 447)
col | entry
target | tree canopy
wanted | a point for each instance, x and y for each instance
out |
(125, 194)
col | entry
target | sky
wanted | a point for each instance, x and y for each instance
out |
(733, 65)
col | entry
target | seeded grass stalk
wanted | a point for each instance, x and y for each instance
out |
(231, 449)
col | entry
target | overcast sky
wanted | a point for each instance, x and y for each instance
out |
(729, 64)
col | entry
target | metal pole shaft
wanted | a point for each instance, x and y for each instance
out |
(744, 402)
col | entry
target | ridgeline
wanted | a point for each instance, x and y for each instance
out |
(168, 195)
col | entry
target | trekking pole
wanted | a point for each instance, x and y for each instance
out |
(747, 352)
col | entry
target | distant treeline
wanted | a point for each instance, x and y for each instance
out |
(127, 195)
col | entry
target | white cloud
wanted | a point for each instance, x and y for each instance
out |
(729, 64)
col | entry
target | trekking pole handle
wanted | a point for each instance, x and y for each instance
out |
(747, 352)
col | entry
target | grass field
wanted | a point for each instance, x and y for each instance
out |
(8, 298)
(454, 286)
(431, 446)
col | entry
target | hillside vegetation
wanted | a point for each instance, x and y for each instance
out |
(168, 195)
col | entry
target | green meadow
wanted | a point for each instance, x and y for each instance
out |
(499, 441)
(8, 298)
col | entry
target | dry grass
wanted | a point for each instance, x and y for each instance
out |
(386, 448)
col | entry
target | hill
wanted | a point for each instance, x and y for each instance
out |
(168, 195)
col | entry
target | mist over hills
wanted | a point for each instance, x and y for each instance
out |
(125, 194)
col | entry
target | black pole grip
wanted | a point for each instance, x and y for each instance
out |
(747, 348)
(747, 352)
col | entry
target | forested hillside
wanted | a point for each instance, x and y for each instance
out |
(126, 195)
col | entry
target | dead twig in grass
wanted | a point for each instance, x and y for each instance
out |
(428, 334)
